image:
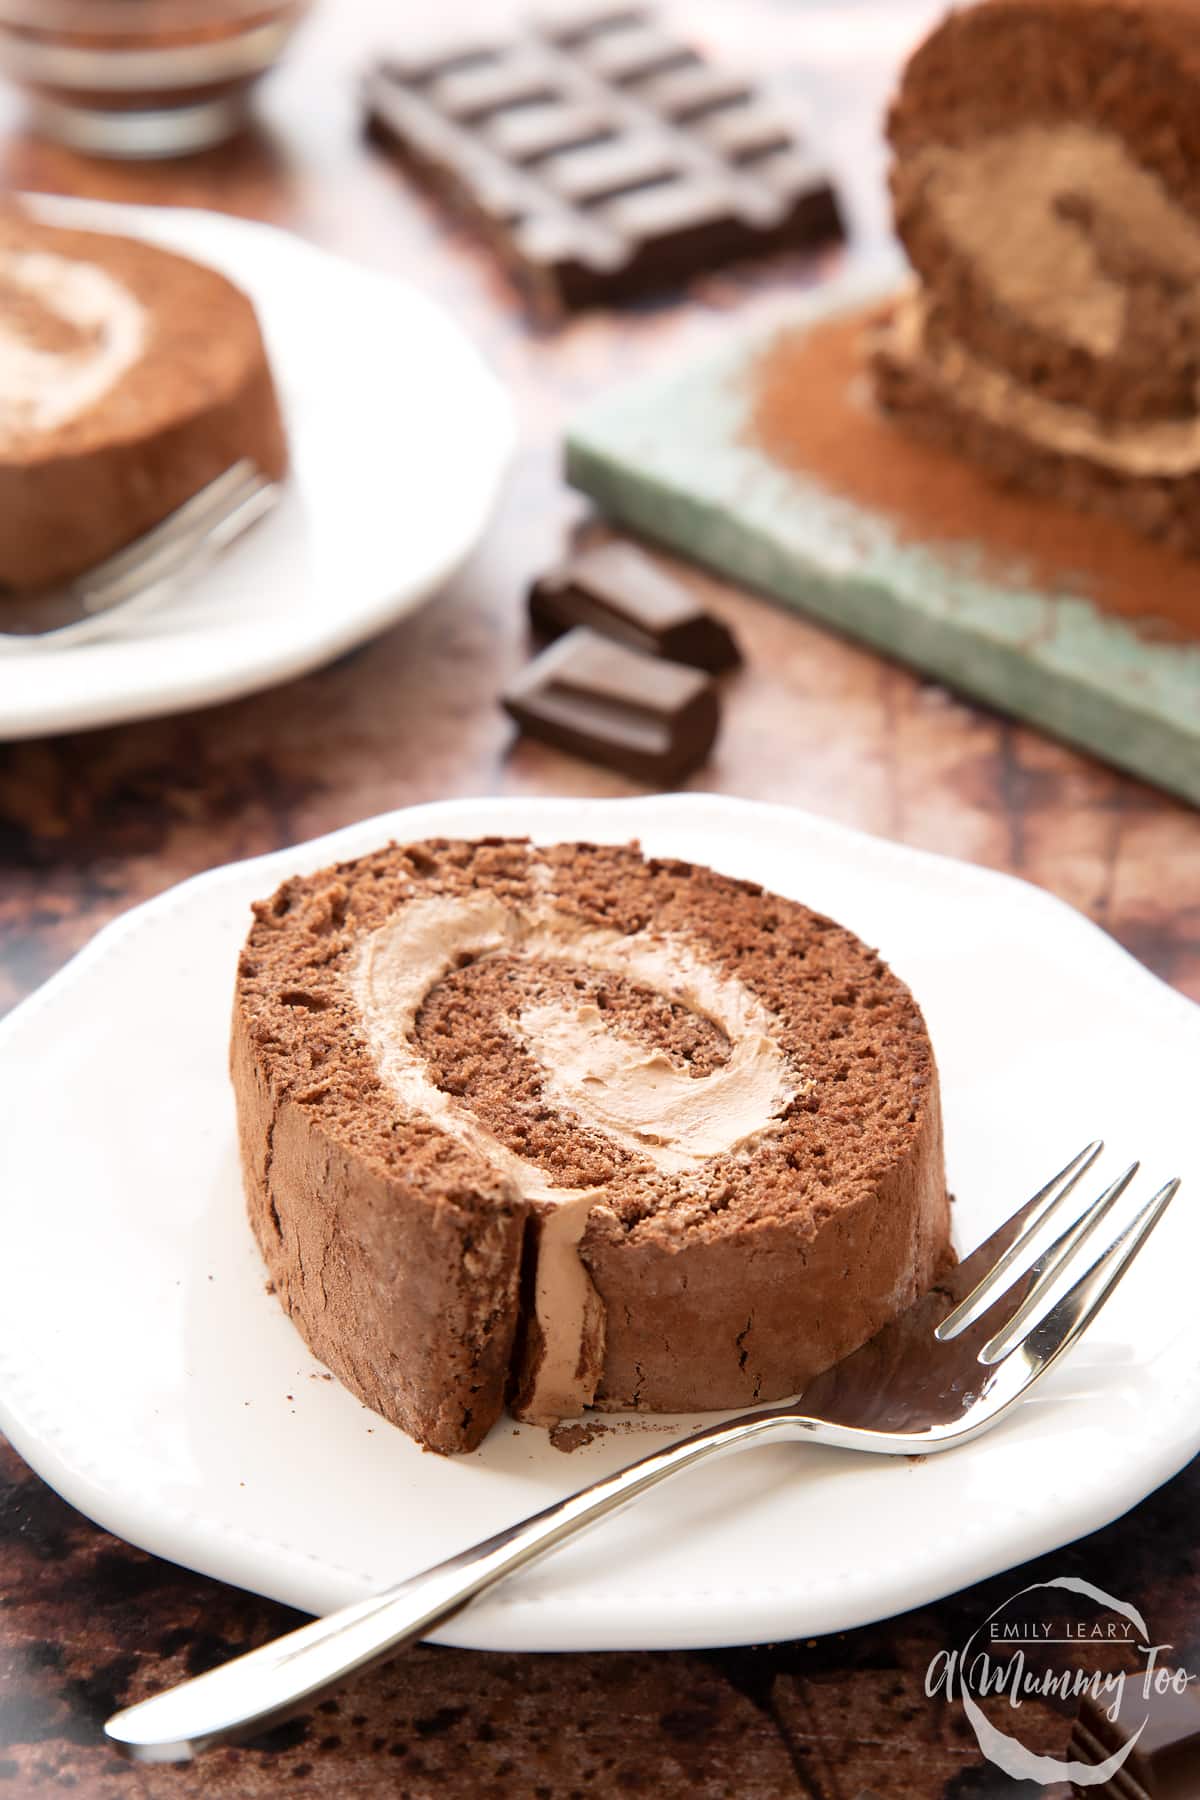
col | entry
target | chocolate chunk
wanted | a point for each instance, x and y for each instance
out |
(1164, 1764)
(653, 720)
(619, 591)
(601, 155)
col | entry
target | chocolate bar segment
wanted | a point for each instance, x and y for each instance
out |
(617, 590)
(1164, 1763)
(586, 694)
(602, 155)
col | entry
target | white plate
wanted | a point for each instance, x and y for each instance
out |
(399, 436)
(147, 1374)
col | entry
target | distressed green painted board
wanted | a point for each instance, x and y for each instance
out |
(666, 458)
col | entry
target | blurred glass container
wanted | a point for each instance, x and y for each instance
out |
(142, 78)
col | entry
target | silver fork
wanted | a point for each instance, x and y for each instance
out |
(948, 1369)
(145, 573)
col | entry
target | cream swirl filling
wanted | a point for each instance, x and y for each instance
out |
(640, 1099)
(91, 329)
(1166, 447)
(616, 1085)
(1011, 203)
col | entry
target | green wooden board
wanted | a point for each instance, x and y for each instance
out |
(666, 457)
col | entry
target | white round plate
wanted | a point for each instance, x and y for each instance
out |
(146, 1373)
(399, 435)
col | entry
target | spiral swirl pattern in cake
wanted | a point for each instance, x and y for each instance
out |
(577, 1128)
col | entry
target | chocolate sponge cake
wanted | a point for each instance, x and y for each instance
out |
(577, 1128)
(129, 379)
(1046, 186)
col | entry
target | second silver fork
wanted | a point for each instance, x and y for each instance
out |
(145, 574)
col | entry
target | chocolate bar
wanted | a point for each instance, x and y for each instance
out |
(619, 591)
(650, 719)
(1164, 1763)
(602, 156)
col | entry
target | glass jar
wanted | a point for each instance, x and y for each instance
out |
(142, 78)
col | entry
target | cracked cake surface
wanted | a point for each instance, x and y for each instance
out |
(575, 1127)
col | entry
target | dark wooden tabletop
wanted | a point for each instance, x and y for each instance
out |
(92, 824)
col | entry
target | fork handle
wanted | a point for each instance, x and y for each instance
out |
(263, 1686)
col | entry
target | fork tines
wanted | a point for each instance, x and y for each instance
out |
(1043, 1319)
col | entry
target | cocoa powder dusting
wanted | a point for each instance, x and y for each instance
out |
(811, 411)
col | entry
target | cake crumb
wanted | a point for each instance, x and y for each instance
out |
(642, 1427)
(573, 1437)
(580, 1432)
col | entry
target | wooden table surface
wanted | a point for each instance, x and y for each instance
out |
(94, 823)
